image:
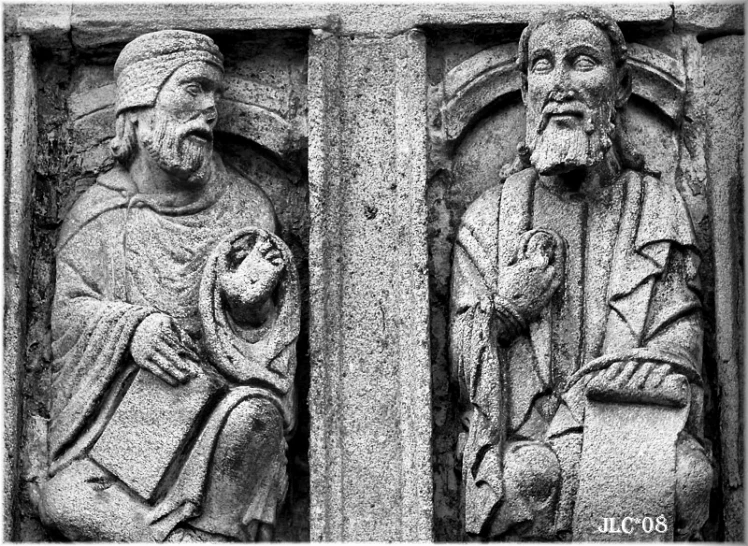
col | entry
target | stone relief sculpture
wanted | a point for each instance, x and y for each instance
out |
(576, 323)
(174, 325)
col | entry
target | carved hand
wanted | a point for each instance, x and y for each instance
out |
(642, 382)
(528, 282)
(248, 288)
(157, 347)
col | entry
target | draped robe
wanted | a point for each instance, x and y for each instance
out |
(646, 308)
(122, 256)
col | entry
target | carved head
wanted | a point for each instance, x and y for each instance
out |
(575, 78)
(167, 88)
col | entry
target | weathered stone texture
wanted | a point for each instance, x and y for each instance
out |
(363, 217)
(370, 423)
(95, 27)
(20, 151)
(396, 18)
(610, 430)
(162, 284)
(671, 139)
(49, 24)
(709, 19)
(724, 72)
(74, 150)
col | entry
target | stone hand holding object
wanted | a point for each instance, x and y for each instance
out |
(158, 346)
(639, 382)
(248, 284)
(527, 284)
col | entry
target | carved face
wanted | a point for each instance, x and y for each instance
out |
(570, 96)
(178, 131)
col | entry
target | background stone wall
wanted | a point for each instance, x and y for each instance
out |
(341, 114)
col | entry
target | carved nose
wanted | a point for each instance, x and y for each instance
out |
(561, 93)
(210, 114)
(561, 84)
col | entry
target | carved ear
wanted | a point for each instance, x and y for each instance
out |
(623, 91)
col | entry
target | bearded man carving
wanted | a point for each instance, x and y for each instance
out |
(173, 296)
(574, 280)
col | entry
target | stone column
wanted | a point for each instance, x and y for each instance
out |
(20, 142)
(370, 460)
(722, 60)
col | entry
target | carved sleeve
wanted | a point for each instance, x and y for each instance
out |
(674, 322)
(476, 363)
(91, 332)
(675, 326)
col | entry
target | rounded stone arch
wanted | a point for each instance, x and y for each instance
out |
(491, 77)
(241, 113)
(481, 114)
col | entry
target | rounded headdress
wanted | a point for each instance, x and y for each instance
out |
(146, 63)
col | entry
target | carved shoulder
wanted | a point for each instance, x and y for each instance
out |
(664, 215)
(474, 268)
(485, 208)
(107, 194)
(481, 219)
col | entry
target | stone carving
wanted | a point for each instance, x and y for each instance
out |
(174, 325)
(576, 325)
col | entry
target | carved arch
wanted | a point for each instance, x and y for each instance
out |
(490, 76)
(245, 111)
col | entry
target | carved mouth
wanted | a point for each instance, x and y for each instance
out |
(563, 115)
(200, 134)
(578, 115)
(569, 107)
(565, 112)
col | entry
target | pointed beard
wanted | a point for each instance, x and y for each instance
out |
(178, 155)
(559, 148)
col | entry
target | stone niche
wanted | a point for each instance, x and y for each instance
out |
(262, 133)
(371, 128)
(477, 120)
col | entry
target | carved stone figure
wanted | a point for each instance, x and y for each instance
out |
(174, 325)
(576, 323)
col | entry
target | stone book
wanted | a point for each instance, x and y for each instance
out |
(151, 426)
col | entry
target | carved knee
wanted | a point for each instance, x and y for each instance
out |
(84, 503)
(532, 470)
(62, 497)
(531, 477)
(255, 422)
(693, 483)
(57, 499)
(247, 474)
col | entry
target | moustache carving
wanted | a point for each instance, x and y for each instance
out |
(562, 102)
(198, 128)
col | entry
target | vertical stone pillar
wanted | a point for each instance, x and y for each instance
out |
(20, 134)
(370, 459)
(722, 59)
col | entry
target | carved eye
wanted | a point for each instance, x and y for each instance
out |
(583, 63)
(542, 66)
(193, 89)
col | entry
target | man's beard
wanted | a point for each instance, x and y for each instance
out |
(175, 152)
(559, 148)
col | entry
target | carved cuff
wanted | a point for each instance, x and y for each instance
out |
(512, 321)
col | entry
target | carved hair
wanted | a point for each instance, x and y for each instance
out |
(627, 155)
(600, 19)
(125, 143)
(149, 60)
